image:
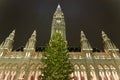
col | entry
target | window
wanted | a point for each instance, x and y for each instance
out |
(76, 72)
(114, 73)
(101, 73)
(58, 21)
(108, 72)
(92, 73)
(83, 73)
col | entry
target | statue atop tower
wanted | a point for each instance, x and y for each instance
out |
(58, 23)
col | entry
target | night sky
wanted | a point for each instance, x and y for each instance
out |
(91, 16)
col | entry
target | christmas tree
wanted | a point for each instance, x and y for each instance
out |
(56, 63)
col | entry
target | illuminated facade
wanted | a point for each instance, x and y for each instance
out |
(88, 65)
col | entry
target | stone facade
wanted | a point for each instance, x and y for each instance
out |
(89, 65)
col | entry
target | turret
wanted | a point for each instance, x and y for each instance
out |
(109, 46)
(85, 45)
(58, 23)
(7, 44)
(30, 45)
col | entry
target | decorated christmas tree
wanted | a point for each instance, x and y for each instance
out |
(57, 66)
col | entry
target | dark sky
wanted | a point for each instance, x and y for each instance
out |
(91, 16)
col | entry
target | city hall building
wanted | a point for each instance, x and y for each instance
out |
(88, 64)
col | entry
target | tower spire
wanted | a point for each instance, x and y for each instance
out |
(7, 45)
(30, 46)
(58, 8)
(109, 46)
(58, 23)
(85, 45)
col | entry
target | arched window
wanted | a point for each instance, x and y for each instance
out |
(38, 66)
(38, 73)
(114, 73)
(15, 66)
(108, 72)
(83, 72)
(31, 75)
(101, 73)
(2, 66)
(22, 72)
(7, 71)
(79, 73)
(13, 71)
(32, 66)
(21, 75)
(76, 72)
(8, 66)
(24, 66)
(6, 74)
(92, 73)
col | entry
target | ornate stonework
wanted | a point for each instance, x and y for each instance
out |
(88, 65)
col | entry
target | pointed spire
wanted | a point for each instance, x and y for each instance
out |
(85, 45)
(34, 33)
(33, 36)
(31, 42)
(104, 36)
(1, 44)
(82, 33)
(83, 37)
(58, 12)
(58, 8)
(13, 32)
(108, 44)
(58, 23)
(103, 32)
(11, 36)
(9, 41)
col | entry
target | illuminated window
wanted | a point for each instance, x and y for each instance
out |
(76, 72)
(114, 73)
(108, 73)
(92, 73)
(101, 73)
(58, 20)
(83, 72)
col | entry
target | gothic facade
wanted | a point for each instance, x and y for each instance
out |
(88, 65)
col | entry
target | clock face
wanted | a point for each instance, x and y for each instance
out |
(58, 20)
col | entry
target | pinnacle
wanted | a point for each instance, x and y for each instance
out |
(103, 32)
(58, 8)
(82, 33)
(13, 31)
(34, 33)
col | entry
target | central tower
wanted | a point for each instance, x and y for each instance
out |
(58, 23)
